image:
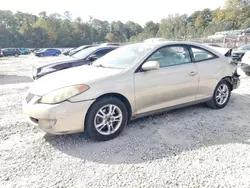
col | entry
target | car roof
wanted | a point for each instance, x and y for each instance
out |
(163, 43)
(215, 50)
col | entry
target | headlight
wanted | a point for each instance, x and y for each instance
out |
(46, 70)
(63, 94)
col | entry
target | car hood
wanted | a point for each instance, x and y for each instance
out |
(68, 77)
(57, 60)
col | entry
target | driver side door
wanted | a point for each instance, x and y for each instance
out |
(175, 83)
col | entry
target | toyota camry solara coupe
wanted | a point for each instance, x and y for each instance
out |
(130, 82)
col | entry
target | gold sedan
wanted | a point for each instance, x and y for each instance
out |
(133, 81)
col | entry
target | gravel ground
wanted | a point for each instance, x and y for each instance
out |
(189, 147)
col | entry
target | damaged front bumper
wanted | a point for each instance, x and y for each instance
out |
(235, 80)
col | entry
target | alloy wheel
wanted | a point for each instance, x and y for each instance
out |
(222, 94)
(108, 119)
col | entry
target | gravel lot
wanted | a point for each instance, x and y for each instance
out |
(189, 147)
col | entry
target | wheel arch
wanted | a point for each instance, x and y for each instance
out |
(121, 98)
(229, 80)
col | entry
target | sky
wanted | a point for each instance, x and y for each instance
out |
(139, 11)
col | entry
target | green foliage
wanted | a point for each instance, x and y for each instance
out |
(55, 30)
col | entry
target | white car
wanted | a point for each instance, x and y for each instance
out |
(245, 63)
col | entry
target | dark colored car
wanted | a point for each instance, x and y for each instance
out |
(11, 52)
(1, 53)
(240, 52)
(48, 52)
(86, 56)
(76, 50)
(68, 51)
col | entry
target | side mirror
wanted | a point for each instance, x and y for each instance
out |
(92, 57)
(151, 65)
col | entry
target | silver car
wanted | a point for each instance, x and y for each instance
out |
(130, 82)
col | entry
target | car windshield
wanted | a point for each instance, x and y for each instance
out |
(123, 57)
(84, 53)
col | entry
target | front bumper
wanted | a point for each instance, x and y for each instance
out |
(62, 118)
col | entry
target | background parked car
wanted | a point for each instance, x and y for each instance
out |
(48, 52)
(68, 51)
(11, 52)
(1, 53)
(238, 53)
(86, 56)
(72, 52)
(36, 50)
(245, 63)
(25, 51)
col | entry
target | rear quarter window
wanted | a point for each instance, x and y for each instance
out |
(200, 54)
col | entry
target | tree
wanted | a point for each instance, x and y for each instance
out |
(246, 24)
(55, 30)
(173, 27)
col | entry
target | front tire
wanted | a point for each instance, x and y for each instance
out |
(221, 95)
(247, 73)
(106, 119)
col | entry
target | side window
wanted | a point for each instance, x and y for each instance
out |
(201, 54)
(102, 52)
(171, 55)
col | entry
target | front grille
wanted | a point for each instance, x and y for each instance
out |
(29, 97)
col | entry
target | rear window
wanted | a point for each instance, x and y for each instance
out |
(201, 54)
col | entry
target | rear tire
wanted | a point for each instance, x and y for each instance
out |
(106, 119)
(16, 55)
(247, 73)
(221, 95)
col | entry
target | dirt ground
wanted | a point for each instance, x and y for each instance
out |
(189, 147)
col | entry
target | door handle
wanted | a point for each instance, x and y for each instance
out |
(192, 73)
